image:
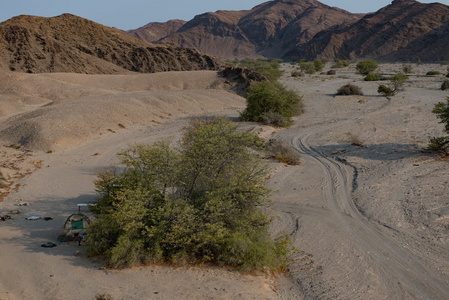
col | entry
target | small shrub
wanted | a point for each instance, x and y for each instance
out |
(297, 74)
(445, 85)
(407, 69)
(283, 152)
(433, 73)
(439, 144)
(366, 67)
(339, 63)
(349, 89)
(318, 64)
(354, 140)
(331, 72)
(447, 75)
(398, 81)
(385, 90)
(308, 67)
(274, 119)
(373, 77)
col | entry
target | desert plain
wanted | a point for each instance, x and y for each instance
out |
(367, 209)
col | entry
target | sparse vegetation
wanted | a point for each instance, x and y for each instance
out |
(349, 89)
(296, 74)
(267, 99)
(269, 68)
(307, 67)
(445, 85)
(441, 144)
(331, 72)
(354, 140)
(396, 84)
(318, 64)
(194, 203)
(339, 63)
(283, 152)
(374, 77)
(366, 67)
(407, 69)
(385, 90)
(433, 73)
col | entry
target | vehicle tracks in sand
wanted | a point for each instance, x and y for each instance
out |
(400, 272)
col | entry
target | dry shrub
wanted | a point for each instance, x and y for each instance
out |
(354, 140)
(349, 89)
(283, 152)
(331, 72)
(445, 85)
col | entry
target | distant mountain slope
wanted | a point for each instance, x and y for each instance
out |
(406, 30)
(69, 43)
(153, 32)
(271, 29)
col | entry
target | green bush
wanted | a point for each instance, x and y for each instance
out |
(366, 67)
(339, 63)
(282, 152)
(307, 67)
(407, 69)
(349, 89)
(331, 72)
(194, 203)
(441, 144)
(373, 77)
(397, 81)
(445, 85)
(433, 73)
(385, 90)
(318, 64)
(264, 97)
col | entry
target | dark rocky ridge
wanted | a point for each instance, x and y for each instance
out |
(405, 30)
(270, 29)
(69, 43)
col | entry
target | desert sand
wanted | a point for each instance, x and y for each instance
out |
(369, 222)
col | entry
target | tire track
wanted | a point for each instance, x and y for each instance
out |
(395, 262)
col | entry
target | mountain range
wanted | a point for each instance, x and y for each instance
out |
(405, 30)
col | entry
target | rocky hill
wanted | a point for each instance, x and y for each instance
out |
(406, 30)
(68, 43)
(270, 29)
(153, 32)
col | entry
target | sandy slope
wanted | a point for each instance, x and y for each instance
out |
(369, 223)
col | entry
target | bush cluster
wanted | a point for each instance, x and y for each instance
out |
(267, 99)
(331, 72)
(297, 74)
(194, 203)
(311, 67)
(349, 89)
(366, 67)
(339, 63)
(407, 69)
(397, 82)
(433, 73)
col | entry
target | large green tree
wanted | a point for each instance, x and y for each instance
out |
(197, 202)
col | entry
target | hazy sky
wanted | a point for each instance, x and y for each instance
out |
(131, 14)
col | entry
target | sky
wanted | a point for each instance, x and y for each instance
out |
(131, 14)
